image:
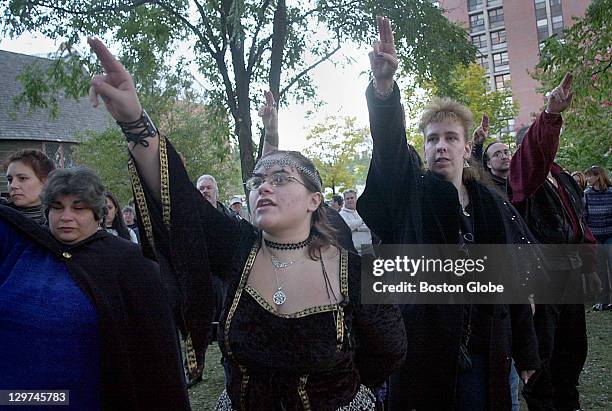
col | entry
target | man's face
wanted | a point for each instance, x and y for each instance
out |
(350, 201)
(208, 190)
(446, 149)
(236, 207)
(335, 205)
(499, 156)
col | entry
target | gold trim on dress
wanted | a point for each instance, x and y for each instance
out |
(310, 310)
(302, 392)
(192, 362)
(232, 311)
(298, 314)
(141, 202)
(164, 181)
(244, 385)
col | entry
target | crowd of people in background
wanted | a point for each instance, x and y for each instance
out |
(118, 305)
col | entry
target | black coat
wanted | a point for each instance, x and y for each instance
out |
(402, 205)
(140, 358)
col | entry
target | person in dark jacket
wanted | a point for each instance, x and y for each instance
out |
(552, 204)
(403, 205)
(494, 158)
(83, 310)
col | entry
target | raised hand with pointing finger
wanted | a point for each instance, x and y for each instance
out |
(115, 86)
(269, 118)
(560, 98)
(482, 132)
(117, 90)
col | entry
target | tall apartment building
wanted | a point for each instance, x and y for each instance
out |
(508, 34)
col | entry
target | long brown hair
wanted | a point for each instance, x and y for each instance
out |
(603, 181)
(581, 179)
(324, 235)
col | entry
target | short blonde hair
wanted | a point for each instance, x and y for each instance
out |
(440, 109)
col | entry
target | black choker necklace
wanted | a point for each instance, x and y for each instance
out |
(288, 246)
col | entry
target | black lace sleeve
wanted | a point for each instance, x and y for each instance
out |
(379, 333)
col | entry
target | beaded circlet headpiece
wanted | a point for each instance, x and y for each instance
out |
(287, 161)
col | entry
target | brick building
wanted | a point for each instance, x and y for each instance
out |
(508, 34)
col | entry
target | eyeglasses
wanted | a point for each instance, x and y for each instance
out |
(506, 153)
(276, 180)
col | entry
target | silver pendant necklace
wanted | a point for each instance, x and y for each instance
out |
(279, 297)
(280, 264)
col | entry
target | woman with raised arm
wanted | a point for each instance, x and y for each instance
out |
(293, 333)
(459, 355)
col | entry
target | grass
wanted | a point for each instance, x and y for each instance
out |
(595, 380)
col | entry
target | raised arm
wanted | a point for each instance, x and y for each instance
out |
(532, 161)
(269, 118)
(117, 90)
(480, 136)
(395, 168)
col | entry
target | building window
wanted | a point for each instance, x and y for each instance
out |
(474, 5)
(496, 18)
(476, 22)
(500, 61)
(555, 7)
(498, 39)
(540, 9)
(480, 41)
(557, 25)
(502, 82)
(508, 127)
(483, 62)
(542, 29)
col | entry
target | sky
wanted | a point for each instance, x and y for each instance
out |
(341, 89)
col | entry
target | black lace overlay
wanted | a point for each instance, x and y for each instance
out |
(314, 359)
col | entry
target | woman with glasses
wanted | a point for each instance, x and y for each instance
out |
(293, 333)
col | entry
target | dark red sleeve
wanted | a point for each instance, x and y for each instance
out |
(532, 161)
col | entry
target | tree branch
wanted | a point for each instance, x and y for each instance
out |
(259, 23)
(100, 9)
(307, 70)
(320, 9)
(253, 59)
(208, 28)
(205, 42)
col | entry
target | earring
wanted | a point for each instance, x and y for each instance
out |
(466, 164)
